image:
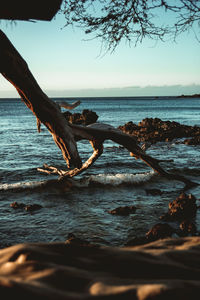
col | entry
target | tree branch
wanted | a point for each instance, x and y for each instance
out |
(15, 69)
(131, 20)
(67, 105)
(97, 133)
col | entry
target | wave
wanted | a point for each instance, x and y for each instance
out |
(121, 179)
(100, 179)
(22, 185)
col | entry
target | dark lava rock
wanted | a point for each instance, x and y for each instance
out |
(183, 207)
(160, 231)
(193, 141)
(123, 210)
(85, 118)
(32, 207)
(89, 116)
(153, 192)
(188, 228)
(155, 130)
(17, 205)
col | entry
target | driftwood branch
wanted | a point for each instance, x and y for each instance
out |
(67, 105)
(14, 68)
(98, 150)
(97, 133)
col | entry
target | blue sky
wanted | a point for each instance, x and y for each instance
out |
(66, 65)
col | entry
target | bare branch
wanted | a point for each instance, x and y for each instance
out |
(67, 105)
(97, 133)
(131, 20)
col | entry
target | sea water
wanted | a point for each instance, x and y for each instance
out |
(116, 178)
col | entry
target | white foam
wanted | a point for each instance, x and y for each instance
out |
(104, 179)
(21, 185)
(118, 179)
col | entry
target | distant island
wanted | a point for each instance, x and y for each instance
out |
(189, 96)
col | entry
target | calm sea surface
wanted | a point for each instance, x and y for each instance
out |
(116, 179)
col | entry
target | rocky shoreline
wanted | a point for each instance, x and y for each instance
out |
(155, 130)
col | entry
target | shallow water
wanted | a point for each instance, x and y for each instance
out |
(116, 179)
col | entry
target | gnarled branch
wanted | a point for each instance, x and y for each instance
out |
(97, 133)
(14, 68)
(68, 105)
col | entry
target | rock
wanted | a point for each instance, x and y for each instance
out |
(29, 207)
(166, 217)
(188, 228)
(183, 207)
(89, 116)
(159, 231)
(153, 192)
(123, 210)
(76, 118)
(85, 118)
(193, 141)
(32, 207)
(130, 128)
(155, 130)
(17, 205)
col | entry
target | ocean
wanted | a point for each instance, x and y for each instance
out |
(116, 179)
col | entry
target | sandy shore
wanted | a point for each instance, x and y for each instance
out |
(165, 269)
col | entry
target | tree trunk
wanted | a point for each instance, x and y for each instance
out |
(15, 69)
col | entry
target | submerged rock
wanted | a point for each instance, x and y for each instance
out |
(85, 118)
(17, 205)
(123, 210)
(30, 207)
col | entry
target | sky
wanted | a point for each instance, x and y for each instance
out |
(66, 65)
